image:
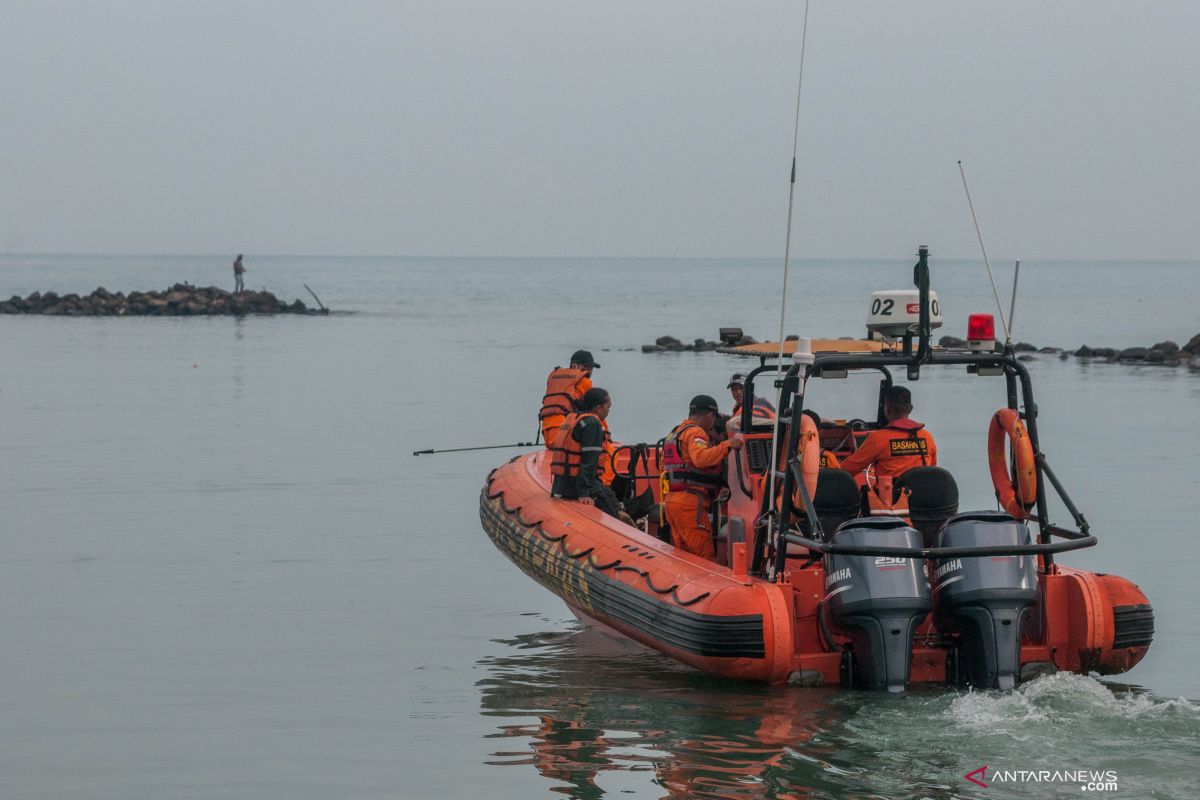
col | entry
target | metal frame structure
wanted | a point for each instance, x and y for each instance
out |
(770, 538)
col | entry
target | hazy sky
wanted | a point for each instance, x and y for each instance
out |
(609, 128)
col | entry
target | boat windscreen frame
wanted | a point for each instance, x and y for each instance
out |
(746, 413)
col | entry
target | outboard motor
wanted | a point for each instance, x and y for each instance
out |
(878, 601)
(986, 599)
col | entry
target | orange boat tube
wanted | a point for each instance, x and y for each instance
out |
(723, 621)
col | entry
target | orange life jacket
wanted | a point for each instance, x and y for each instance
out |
(680, 476)
(562, 390)
(760, 409)
(607, 469)
(566, 454)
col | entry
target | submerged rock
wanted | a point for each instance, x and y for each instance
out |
(669, 344)
(1133, 354)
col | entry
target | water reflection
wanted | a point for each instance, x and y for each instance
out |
(596, 716)
(588, 705)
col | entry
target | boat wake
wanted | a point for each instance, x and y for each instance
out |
(1065, 698)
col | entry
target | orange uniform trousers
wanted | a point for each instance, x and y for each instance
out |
(690, 518)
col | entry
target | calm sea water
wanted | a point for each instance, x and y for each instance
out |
(224, 574)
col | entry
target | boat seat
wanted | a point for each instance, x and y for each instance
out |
(836, 500)
(933, 499)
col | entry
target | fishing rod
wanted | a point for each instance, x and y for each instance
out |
(773, 529)
(465, 449)
(986, 261)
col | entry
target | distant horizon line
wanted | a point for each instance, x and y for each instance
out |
(1072, 260)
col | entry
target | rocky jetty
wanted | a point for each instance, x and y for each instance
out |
(181, 300)
(1168, 353)
(669, 344)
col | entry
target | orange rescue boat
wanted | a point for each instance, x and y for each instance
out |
(838, 582)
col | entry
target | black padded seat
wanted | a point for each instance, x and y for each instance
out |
(933, 499)
(836, 500)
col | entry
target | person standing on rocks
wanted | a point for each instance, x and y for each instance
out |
(238, 271)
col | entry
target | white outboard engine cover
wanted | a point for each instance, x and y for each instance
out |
(985, 599)
(878, 600)
(897, 312)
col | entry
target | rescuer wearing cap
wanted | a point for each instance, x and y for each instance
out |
(692, 476)
(577, 448)
(899, 446)
(761, 410)
(565, 387)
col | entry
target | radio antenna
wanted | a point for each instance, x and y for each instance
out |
(1012, 308)
(986, 261)
(773, 530)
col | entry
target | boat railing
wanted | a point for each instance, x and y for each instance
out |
(1069, 539)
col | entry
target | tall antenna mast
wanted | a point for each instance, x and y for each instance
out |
(772, 518)
(986, 261)
(1012, 308)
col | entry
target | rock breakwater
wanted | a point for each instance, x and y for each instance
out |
(181, 300)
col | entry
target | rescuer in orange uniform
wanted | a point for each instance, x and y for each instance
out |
(899, 446)
(576, 450)
(564, 389)
(691, 472)
(761, 409)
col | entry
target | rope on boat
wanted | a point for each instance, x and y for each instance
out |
(561, 540)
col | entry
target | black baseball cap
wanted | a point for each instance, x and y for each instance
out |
(738, 379)
(584, 357)
(703, 402)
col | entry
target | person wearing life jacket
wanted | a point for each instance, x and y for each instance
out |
(692, 476)
(564, 389)
(576, 448)
(761, 410)
(829, 459)
(897, 447)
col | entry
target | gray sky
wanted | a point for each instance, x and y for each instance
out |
(612, 128)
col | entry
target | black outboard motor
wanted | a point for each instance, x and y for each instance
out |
(878, 600)
(986, 599)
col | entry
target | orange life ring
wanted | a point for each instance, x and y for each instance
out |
(1015, 499)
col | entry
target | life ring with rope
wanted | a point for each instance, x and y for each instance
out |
(1015, 496)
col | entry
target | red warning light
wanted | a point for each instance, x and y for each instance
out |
(981, 327)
